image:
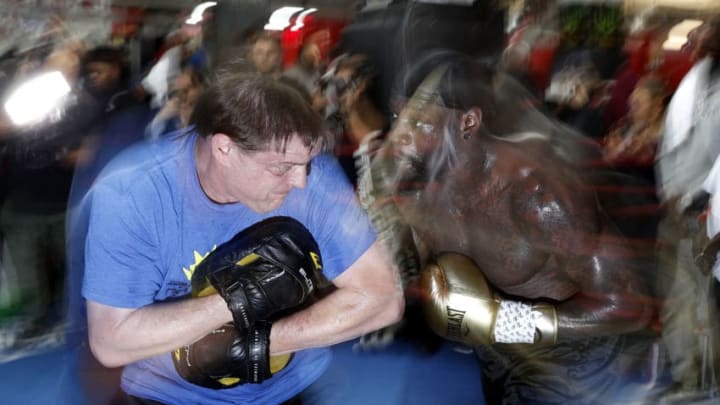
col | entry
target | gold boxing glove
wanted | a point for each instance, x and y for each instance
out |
(461, 306)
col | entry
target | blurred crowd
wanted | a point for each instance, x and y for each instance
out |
(648, 109)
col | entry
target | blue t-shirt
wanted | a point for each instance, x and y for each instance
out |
(151, 224)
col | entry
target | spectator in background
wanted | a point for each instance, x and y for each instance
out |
(630, 146)
(689, 147)
(266, 55)
(307, 69)
(689, 144)
(707, 260)
(161, 74)
(644, 55)
(103, 70)
(709, 255)
(40, 160)
(182, 46)
(516, 62)
(579, 97)
(123, 105)
(106, 78)
(349, 112)
(175, 114)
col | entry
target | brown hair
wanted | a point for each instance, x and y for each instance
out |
(710, 43)
(264, 37)
(256, 111)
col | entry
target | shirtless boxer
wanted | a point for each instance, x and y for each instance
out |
(521, 261)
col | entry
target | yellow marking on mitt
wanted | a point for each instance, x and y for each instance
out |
(248, 259)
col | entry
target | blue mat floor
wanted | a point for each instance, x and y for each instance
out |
(398, 374)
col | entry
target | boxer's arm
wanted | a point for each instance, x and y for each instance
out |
(368, 297)
(613, 297)
(460, 305)
(605, 269)
(607, 272)
(119, 336)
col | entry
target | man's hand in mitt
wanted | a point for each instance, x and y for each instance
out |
(265, 272)
(226, 357)
(268, 268)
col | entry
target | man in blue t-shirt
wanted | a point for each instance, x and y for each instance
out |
(160, 208)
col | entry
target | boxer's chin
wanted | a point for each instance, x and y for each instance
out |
(409, 176)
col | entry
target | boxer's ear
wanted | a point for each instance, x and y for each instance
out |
(470, 122)
(397, 104)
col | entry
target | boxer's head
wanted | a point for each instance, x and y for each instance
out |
(444, 111)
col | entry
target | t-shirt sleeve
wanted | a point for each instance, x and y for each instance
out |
(342, 228)
(120, 252)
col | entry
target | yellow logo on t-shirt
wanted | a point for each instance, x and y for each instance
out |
(198, 258)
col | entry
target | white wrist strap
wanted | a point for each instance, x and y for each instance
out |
(515, 323)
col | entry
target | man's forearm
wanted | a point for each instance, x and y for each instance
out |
(120, 336)
(369, 296)
(339, 317)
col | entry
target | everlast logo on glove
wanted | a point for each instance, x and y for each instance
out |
(454, 322)
(264, 273)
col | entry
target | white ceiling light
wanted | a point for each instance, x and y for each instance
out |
(36, 98)
(197, 14)
(280, 18)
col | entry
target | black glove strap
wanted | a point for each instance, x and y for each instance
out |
(259, 352)
(237, 302)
